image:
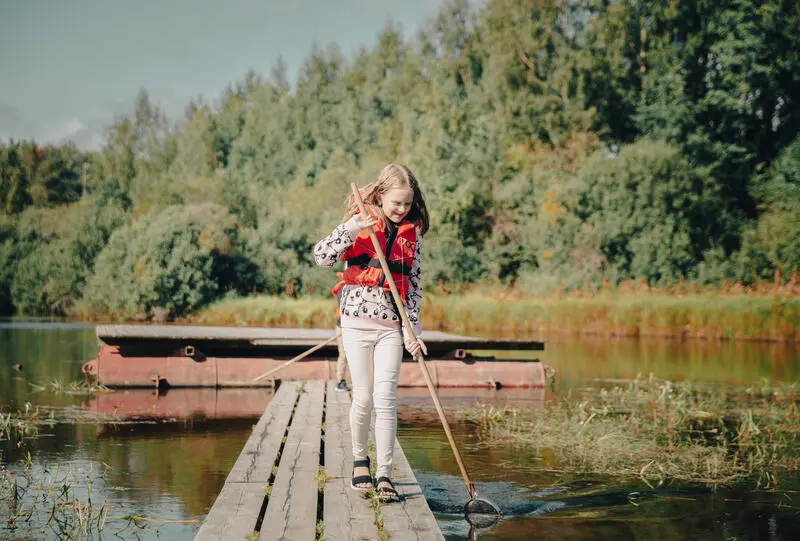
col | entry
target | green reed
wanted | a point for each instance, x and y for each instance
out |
(621, 311)
(58, 386)
(53, 501)
(706, 315)
(20, 424)
(658, 431)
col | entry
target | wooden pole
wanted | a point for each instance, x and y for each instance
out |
(303, 355)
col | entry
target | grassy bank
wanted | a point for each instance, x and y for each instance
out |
(658, 431)
(718, 315)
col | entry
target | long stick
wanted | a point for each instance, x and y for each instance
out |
(303, 355)
(401, 308)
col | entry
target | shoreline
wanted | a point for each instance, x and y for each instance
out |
(705, 316)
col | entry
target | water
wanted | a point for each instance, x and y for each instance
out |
(559, 506)
(165, 459)
(556, 505)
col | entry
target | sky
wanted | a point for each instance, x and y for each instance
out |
(67, 67)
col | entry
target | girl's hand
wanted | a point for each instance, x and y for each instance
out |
(414, 347)
(364, 221)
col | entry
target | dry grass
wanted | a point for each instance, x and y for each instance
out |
(269, 311)
(631, 309)
(732, 313)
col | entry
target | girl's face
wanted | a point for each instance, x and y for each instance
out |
(396, 203)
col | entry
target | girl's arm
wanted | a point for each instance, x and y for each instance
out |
(330, 249)
(414, 294)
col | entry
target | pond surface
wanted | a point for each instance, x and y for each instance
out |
(157, 460)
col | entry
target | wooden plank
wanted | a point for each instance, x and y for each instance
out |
(277, 337)
(234, 513)
(346, 515)
(200, 332)
(410, 519)
(292, 508)
(259, 452)
(236, 509)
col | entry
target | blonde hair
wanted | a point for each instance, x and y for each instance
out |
(392, 176)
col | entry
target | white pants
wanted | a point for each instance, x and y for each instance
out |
(341, 360)
(374, 389)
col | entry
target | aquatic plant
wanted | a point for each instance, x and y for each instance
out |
(52, 501)
(71, 387)
(657, 430)
(44, 501)
(19, 424)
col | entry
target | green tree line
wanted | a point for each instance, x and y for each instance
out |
(559, 143)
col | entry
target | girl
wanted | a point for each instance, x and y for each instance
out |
(371, 323)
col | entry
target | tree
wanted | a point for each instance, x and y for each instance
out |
(178, 259)
(650, 209)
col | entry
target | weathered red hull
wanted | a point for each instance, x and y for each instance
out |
(207, 403)
(113, 369)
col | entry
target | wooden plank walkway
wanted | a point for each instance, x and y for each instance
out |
(292, 479)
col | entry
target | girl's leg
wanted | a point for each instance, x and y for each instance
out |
(388, 355)
(341, 361)
(358, 346)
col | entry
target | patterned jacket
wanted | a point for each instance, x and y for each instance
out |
(354, 299)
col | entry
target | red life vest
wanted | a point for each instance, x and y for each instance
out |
(363, 266)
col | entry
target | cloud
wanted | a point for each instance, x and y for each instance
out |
(91, 138)
(62, 130)
(88, 134)
(14, 125)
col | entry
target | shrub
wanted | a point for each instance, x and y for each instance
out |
(652, 210)
(56, 251)
(178, 259)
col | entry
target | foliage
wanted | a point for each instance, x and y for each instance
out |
(40, 176)
(560, 144)
(650, 210)
(8, 259)
(178, 259)
(57, 250)
(773, 242)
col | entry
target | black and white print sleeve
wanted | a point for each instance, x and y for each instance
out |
(414, 293)
(328, 251)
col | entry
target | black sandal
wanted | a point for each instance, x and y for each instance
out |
(386, 494)
(355, 481)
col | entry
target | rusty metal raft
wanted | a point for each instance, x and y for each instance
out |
(198, 356)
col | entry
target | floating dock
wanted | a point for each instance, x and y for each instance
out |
(198, 356)
(292, 479)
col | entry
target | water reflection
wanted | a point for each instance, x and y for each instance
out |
(189, 459)
(164, 470)
(414, 403)
(166, 455)
(179, 403)
(46, 352)
(734, 363)
(159, 455)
